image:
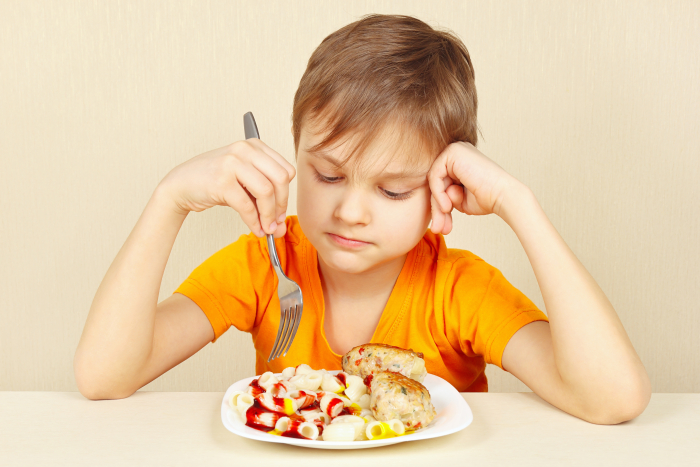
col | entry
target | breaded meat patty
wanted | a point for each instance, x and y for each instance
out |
(395, 396)
(368, 359)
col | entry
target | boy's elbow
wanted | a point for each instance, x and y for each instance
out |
(627, 404)
(97, 392)
(92, 386)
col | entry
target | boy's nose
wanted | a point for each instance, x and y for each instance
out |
(352, 208)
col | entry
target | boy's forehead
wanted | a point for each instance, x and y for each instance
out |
(393, 153)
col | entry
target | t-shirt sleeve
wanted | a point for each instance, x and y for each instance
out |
(486, 308)
(231, 286)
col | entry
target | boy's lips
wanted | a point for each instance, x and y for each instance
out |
(347, 242)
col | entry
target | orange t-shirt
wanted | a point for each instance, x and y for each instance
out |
(449, 304)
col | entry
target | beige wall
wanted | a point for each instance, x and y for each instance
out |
(594, 105)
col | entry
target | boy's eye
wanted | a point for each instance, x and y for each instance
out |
(397, 196)
(324, 179)
(389, 194)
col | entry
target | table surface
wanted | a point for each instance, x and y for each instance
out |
(176, 428)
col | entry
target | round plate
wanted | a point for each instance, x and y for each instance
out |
(453, 414)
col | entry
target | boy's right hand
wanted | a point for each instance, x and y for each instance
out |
(247, 175)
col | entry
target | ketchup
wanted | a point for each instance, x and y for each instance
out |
(350, 411)
(341, 378)
(314, 405)
(293, 428)
(276, 389)
(252, 416)
(256, 388)
(332, 404)
(368, 380)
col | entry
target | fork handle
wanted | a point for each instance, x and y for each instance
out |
(251, 131)
(274, 259)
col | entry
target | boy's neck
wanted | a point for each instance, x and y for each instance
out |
(368, 285)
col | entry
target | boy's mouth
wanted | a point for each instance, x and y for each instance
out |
(347, 242)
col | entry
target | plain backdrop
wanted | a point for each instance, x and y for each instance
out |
(594, 105)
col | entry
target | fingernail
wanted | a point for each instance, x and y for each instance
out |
(261, 233)
(282, 217)
(273, 226)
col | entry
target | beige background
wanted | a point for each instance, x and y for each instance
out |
(594, 105)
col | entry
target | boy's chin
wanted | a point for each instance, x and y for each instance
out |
(349, 263)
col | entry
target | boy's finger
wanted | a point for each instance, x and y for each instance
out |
(437, 216)
(277, 157)
(281, 230)
(456, 195)
(438, 180)
(237, 198)
(279, 178)
(447, 228)
(264, 192)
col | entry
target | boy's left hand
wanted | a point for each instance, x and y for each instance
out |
(463, 178)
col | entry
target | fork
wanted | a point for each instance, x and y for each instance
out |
(288, 291)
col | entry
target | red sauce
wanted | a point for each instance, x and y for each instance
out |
(293, 428)
(341, 378)
(319, 424)
(350, 411)
(276, 389)
(315, 405)
(279, 403)
(305, 399)
(295, 417)
(368, 380)
(331, 405)
(252, 416)
(256, 388)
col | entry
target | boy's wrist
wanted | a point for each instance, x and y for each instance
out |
(164, 199)
(518, 204)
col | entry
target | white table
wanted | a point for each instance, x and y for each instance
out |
(170, 428)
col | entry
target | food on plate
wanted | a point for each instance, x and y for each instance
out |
(369, 359)
(319, 405)
(396, 397)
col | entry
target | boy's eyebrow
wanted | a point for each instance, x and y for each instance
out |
(325, 156)
(386, 175)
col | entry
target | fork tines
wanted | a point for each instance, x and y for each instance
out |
(287, 330)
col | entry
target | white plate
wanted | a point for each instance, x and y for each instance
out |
(453, 414)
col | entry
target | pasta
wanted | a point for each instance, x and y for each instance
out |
(332, 384)
(357, 422)
(355, 388)
(243, 403)
(331, 405)
(310, 381)
(363, 401)
(313, 404)
(383, 430)
(339, 432)
(266, 380)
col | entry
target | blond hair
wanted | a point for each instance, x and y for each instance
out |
(384, 70)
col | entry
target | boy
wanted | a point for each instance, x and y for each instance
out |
(384, 126)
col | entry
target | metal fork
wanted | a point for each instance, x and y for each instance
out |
(289, 292)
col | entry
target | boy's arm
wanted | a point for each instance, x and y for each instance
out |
(582, 361)
(129, 339)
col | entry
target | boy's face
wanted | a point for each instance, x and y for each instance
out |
(360, 221)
